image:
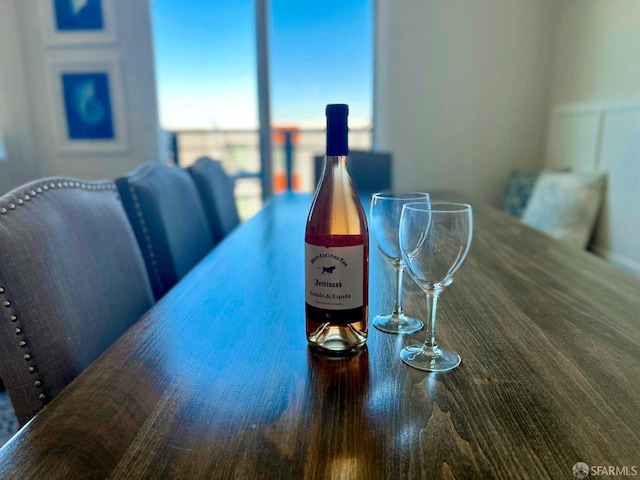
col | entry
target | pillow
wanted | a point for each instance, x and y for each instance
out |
(565, 205)
(518, 191)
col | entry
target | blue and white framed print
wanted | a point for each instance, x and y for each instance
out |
(88, 104)
(78, 22)
(78, 15)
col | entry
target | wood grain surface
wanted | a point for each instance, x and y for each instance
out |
(216, 381)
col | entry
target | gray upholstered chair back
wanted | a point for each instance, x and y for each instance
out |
(369, 171)
(216, 191)
(72, 280)
(168, 219)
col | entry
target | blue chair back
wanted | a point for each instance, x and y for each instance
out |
(168, 219)
(72, 280)
(216, 192)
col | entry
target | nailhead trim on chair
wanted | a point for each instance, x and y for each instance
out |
(143, 227)
(150, 168)
(20, 199)
(46, 185)
(23, 344)
(147, 171)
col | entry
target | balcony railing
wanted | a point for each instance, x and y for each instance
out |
(238, 150)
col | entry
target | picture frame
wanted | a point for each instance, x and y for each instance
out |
(78, 22)
(87, 103)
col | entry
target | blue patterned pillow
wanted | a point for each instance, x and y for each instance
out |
(518, 191)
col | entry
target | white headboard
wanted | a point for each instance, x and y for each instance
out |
(604, 137)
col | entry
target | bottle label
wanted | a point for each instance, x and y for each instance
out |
(333, 276)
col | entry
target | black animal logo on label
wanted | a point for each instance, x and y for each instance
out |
(328, 269)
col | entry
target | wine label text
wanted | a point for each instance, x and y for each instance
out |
(334, 276)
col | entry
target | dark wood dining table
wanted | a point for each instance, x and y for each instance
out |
(216, 380)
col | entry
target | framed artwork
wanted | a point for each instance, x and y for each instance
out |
(79, 22)
(88, 105)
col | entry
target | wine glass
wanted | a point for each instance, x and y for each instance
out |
(434, 241)
(385, 220)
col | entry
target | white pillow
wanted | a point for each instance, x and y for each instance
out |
(565, 205)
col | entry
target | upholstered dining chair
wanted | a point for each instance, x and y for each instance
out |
(216, 191)
(72, 280)
(168, 219)
(370, 171)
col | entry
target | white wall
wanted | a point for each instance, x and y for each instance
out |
(28, 94)
(462, 91)
(596, 51)
(596, 77)
(15, 119)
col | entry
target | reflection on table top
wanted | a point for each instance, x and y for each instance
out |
(216, 380)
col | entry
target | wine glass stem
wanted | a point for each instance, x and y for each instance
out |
(432, 306)
(397, 307)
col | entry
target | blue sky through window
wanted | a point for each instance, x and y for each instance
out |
(321, 52)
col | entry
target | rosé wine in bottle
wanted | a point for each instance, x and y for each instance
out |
(336, 251)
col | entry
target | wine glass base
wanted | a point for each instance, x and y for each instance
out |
(397, 324)
(430, 359)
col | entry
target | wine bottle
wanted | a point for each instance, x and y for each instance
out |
(336, 251)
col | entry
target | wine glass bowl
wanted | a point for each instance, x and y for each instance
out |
(435, 238)
(384, 220)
